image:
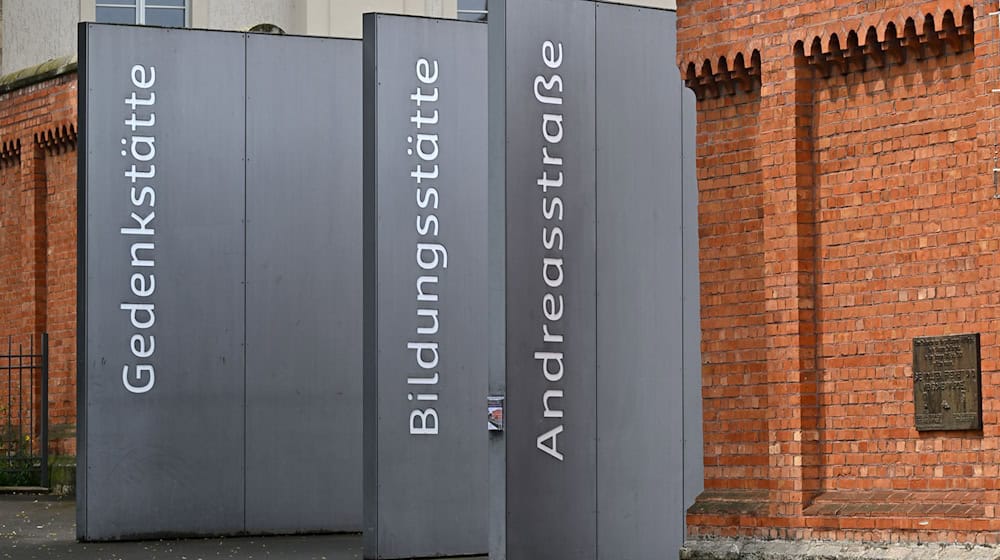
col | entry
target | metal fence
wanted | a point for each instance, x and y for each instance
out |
(24, 411)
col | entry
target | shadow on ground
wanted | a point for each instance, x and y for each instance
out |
(44, 527)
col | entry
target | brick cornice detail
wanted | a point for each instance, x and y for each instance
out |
(933, 40)
(714, 82)
(931, 37)
(61, 136)
(10, 153)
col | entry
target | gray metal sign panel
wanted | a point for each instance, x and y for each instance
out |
(599, 237)
(497, 257)
(162, 210)
(639, 308)
(548, 55)
(694, 466)
(303, 378)
(426, 357)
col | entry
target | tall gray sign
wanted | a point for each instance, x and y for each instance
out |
(303, 378)
(425, 338)
(694, 464)
(162, 283)
(588, 101)
(219, 375)
(551, 286)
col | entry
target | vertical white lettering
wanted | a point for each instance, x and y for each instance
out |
(548, 91)
(424, 422)
(142, 372)
(431, 253)
(140, 378)
(552, 448)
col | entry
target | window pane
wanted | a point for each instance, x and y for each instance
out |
(115, 15)
(471, 16)
(472, 10)
(479, 5)
(162, 3)
(165, 17)
(116, 2)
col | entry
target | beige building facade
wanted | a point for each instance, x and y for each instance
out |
(34, 31)
(38, 30)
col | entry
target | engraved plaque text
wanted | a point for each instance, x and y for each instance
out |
(947, 383)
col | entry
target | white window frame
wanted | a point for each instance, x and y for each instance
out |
(486, 12)
(140, 9)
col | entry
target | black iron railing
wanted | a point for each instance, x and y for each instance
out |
(24, 411)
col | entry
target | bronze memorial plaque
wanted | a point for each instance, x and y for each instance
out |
(946, 383)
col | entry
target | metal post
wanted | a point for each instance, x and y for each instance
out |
(10, 378)
(33, 367)
(44, 437)
(20, 398)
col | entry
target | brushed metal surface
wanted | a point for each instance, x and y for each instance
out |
(425, 128)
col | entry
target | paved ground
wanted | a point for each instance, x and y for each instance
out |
(747, 549)
(38, 527)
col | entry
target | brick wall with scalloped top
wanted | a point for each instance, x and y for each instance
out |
(38, 236)
(847, 205)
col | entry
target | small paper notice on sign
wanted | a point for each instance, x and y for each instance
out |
(494, 408)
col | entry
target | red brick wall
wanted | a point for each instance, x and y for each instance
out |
(846, 207)
(10, 245)
(897, 247)
(732, 269)
(38, 235)
(61, 294)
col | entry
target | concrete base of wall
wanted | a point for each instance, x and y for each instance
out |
(62, 481)
(733, 549)
(62, 476)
